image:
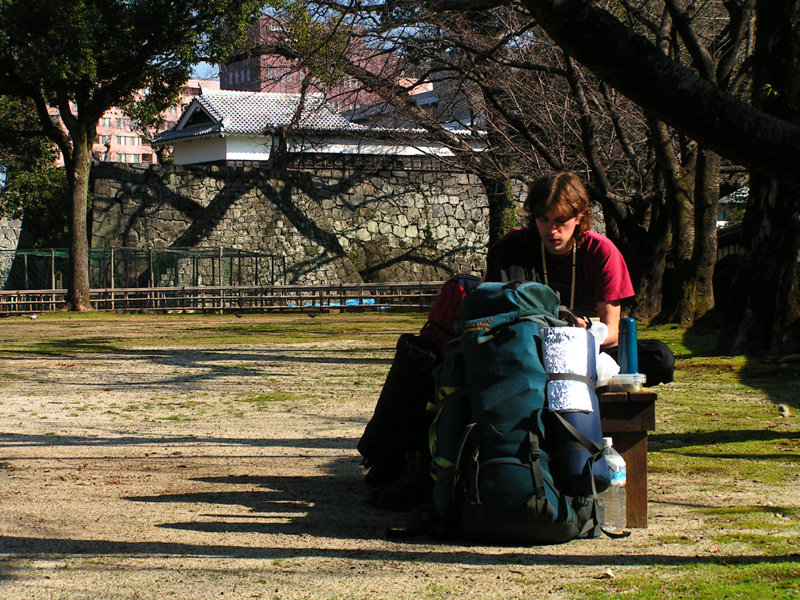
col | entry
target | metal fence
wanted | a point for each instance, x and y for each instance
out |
(34, 269)
(238, 299)
(143, 268)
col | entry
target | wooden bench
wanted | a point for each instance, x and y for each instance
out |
(627, 417)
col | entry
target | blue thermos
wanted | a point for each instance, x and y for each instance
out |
(628, 350)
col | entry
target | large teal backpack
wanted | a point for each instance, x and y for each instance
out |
(493, 439)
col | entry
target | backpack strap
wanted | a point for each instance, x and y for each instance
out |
(450, 395)
(538, 502)
(436, 325)
(572, 377)
(446, 396)
(471, 432)
(580, 438)
(597, 451)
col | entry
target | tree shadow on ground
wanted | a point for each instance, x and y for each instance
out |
(777, 377)
(192, 367)
(329, 506)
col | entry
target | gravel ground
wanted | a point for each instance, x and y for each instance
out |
(230, 470)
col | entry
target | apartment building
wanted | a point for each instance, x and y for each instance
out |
(119, 139)
(450, 102)
(276, 74)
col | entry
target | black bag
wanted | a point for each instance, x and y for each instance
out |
(656, 361)
(400, 422)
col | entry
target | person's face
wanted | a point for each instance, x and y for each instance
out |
(557, 231)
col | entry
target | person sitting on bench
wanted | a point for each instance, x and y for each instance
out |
(559, 249)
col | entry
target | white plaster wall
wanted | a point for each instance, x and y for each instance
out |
(212, 149)
(258, 148)
(248, 148)
(365, 146)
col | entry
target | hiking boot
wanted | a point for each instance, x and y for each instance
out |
(413, 488)
(384, 471)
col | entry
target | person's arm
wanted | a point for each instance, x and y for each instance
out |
(609, 313)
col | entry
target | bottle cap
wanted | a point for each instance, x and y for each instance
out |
(608, 442)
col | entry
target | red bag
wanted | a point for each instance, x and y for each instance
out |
(439, 328)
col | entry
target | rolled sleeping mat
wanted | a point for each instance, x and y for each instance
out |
(570, 361)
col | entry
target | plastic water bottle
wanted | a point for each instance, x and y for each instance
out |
(615, 516)
(628, 346)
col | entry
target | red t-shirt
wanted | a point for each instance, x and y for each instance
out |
(601, 272)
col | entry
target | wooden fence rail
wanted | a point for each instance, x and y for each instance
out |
(222, 299)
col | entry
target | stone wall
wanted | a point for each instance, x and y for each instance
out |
(9, 236)
(333, 218)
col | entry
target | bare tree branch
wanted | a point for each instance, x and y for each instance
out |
(703, 60)
(673, 93)
(462, 5)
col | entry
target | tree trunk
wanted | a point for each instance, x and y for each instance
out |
(641, 232)
(763, 313)
(78, 288)
(502, 215)
(695, 250)
(704, 254)
(648, 266)
(677, 172)
(764, 309)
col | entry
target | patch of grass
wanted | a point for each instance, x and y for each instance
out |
(769, 544)
(765, 581)
(300, 329)
(676, 539)
(684, 343)
(732, 460)
(69, 348)
(437, 590)
(65, 334)
(277, 396)
(719, 419)
(718, 425)
(177, 418)
(770, 530)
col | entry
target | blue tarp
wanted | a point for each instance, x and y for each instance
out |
(351, 302)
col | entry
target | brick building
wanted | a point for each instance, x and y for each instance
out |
(118, 140)
(276, 74)
(447, 101)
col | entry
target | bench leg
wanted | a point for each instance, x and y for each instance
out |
(633, 448)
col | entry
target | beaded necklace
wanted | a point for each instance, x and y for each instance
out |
(574, 270)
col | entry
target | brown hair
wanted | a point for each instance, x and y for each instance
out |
(563, 191)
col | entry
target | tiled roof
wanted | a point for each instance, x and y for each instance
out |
(257, 113)
(189, 131)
